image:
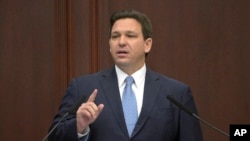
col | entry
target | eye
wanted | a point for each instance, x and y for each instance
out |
(114, 36)
(131, 35)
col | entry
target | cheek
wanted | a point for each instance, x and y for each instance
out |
(111, 47)
(112, 51)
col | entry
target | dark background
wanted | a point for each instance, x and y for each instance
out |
(45, 43)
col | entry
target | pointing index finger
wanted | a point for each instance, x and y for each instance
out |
(92, 96)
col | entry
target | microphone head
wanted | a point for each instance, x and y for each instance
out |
(75, 107)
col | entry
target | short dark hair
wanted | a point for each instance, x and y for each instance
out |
(140, 17)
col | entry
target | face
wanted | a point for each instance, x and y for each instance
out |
(127, 45)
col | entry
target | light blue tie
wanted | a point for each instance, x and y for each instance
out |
(129, 105)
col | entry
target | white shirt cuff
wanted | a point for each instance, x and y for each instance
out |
(86, 131)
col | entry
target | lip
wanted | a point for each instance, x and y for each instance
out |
(122, 53)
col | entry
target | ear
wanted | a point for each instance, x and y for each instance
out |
(109, 45)
(148, 45)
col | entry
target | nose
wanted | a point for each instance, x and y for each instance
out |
(122, 41)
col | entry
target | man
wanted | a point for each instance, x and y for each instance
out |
(104, 117)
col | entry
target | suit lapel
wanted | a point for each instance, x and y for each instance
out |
(111, 91)
(151, 91)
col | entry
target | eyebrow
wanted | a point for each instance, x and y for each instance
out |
(117, 32)
(131, 32)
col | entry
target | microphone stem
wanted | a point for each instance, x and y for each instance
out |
(210, 125)
(44, 139)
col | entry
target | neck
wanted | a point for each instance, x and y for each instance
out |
(128, 69)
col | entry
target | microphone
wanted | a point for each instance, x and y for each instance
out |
(171, 99)
(75, 107)
(72, 110)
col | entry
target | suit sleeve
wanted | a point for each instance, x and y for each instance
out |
(66, 130)
(189, 129)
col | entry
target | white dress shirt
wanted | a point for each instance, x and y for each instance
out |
(138, 86)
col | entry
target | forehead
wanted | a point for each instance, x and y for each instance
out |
(126, 24)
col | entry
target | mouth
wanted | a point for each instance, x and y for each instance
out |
(122, 52)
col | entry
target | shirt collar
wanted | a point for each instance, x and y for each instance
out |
(139, 76)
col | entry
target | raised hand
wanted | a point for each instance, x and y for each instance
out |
(87, 113)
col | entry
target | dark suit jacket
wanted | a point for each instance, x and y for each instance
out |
(159, 120)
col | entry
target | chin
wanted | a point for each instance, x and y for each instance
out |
(122, 63)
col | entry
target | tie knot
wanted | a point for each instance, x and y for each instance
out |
(129, 80)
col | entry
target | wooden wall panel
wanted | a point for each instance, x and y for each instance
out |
(44, 44)
(33, 66)
(82, 32)
(104, 12)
